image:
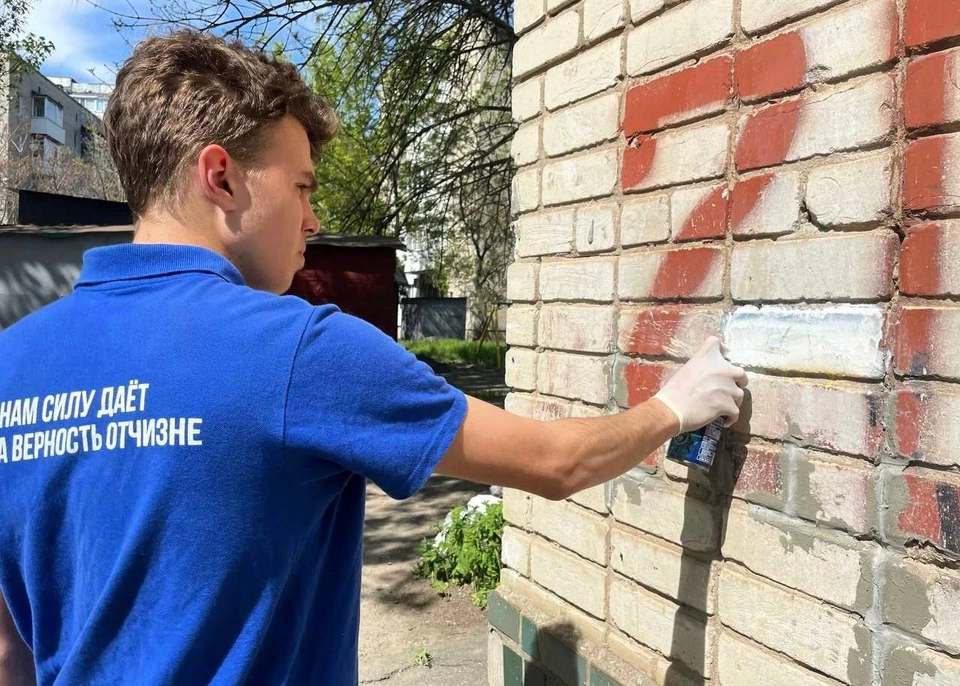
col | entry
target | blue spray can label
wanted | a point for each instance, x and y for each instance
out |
(697, 448)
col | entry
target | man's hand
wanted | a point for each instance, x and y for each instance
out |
(16, 660)
(705, 388)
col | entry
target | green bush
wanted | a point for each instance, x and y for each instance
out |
(468, 553)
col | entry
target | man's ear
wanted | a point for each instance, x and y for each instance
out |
(219, 175)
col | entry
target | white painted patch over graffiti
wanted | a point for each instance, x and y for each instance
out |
(842, 340)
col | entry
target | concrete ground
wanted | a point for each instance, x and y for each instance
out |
(401, 615)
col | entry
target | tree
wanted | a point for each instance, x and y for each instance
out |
(14, 38)
(423, 87)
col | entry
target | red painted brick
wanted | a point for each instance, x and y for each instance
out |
(924, 505)
(932, 174)
(638, 381)
(758, 475)
(928, 21)
(926, 341)
(925, 90)
(929, 260)
(926, 423)
(683, 271)
(692, 92)
(774, 66)
(687, 273)
(638, 160)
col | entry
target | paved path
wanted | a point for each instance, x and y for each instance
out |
(399, 614)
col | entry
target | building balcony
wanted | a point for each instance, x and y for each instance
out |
(42, 126)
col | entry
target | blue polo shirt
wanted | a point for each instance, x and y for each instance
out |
(183, 463)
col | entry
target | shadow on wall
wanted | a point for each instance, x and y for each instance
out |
(555, 646)
(690, 643)
(37, 270)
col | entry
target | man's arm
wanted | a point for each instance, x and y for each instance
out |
(16, 660)
(556, 459)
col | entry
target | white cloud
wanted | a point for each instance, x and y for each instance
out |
(82, 35)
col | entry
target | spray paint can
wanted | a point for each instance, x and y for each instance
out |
(697, 448)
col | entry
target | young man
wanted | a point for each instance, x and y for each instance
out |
(183, 453)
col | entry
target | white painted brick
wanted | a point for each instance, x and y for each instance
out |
(545, 608)
(573, 527)
(806, 412)
(593, 497)
(581, 125)
(679, 33)
(516, 506)
(790, 339)
(924, 600)
(743, 663)
(570, 577)
(592, 175)
(822, 563)
(522, 325)
(522, 281)
(545, 234)
(525, 147)
(684, 202)
(595, 228)
(685, 155)
(661, 625)
(582, 279)
(521, 369)
(666, 513)
(824, 638)
(837, 267)
(662, 567)
(526, 99)
(549, 42)
(589, 72)
(641, 274)
(909, 665)
(520, 404)
(851, 193)
(526, 13)
(526, 191)
(574, 376)
(864, 27)
(515, 546)
(776, 212)
(761, 14)
(645, 220)
(587, 328)
(550, 409)
(641, 9)
(649, 663)
(600, 17)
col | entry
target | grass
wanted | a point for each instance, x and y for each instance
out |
(451, 351)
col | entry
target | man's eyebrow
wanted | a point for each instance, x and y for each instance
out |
(310, 178)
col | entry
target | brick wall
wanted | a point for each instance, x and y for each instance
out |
(785, 173)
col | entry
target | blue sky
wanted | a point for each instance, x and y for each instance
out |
(83, 36)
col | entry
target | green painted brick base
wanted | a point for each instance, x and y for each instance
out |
(551, 660)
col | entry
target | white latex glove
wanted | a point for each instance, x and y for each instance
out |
(705, 388)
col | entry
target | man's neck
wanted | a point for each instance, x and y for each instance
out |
(163, 228)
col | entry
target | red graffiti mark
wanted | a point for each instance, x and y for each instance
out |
(655, 104)
(638, 161)
(921, 516)
(908, 420)
(923, 174)
(745, 197)
(682, 272)
(708, 219)
(643, 381)
(912, 346)
(759, 472)
(653, 330)
(774, 66)
(767, 136)
(920, 260)
(925, 91)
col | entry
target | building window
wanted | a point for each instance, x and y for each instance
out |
(45, 108)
